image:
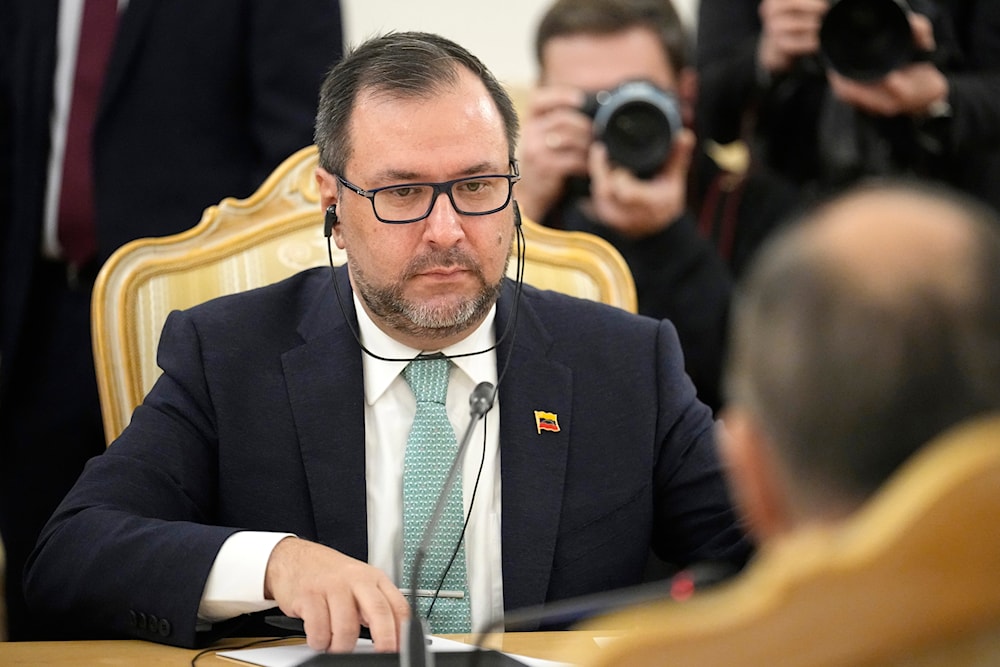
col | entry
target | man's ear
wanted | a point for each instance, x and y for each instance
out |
(329, 196)
(754, 475)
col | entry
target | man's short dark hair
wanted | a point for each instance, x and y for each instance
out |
(605, 17)
(849, 385)
(401, 65)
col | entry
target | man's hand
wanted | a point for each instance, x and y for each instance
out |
(911, 89)
(554, 143)
(334, 595)
(638, 207)
(790, 30)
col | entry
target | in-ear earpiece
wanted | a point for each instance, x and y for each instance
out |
(330, 220)
(517, 214)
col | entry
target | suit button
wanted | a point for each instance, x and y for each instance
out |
(164, 627)
(133, 618)
(141, 621)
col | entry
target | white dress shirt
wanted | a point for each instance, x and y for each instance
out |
(236, 582)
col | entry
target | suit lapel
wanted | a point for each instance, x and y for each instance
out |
(327, 399)
(325, 387)
(532, 461)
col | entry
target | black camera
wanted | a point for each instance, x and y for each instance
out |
(866, 39)
(637, 121)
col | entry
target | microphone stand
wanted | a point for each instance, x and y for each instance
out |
(413, 651)
(571, 611)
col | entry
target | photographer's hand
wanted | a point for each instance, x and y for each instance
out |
(913, 89)
(638, 207)
(789, 30)
(554, 142)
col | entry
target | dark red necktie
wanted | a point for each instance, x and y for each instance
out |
(77, 229)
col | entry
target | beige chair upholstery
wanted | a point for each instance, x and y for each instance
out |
(240, 244)
(913, 579)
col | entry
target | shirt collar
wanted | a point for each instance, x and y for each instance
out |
(379, 374)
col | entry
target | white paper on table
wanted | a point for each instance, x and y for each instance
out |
(291, 656)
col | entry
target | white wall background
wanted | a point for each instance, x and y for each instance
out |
(500, 33)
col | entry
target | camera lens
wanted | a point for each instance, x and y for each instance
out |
(637, 121)
(638, 136)
(866, 39)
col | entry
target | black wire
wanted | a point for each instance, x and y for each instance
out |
(511, 326)
(519, 277)
(465, 525)
(256, 642)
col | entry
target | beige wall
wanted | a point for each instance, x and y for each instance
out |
(499, 32)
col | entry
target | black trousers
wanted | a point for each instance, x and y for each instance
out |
(50, 424)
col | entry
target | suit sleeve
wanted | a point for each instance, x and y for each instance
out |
(726, 61)
(975, 86)
(143, 510)
(680, 276)
(694, 517)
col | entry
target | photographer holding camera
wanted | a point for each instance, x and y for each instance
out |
(830, 91)
(604, 149)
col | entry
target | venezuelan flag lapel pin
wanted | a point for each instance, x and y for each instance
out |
(546, 421)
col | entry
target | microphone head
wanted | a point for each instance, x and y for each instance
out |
(481, 399)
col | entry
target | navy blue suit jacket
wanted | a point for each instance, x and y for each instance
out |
(258, 423)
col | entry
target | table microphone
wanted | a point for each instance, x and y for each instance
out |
(414, 650)
(413, 647)
(414, 641)
(570, 611)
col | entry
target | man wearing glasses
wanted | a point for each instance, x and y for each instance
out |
(271, 464)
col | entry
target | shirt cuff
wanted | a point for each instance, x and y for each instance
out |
(235, 584)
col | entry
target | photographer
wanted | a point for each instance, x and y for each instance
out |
(572, 181)
(768, 73)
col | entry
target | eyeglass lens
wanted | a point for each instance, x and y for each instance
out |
(480, 194)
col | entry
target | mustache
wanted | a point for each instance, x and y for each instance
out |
(443, 258)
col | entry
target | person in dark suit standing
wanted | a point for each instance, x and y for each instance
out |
(126, 119)
(925, 105)
(270, 465)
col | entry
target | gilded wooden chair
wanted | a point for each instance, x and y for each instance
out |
(913, 579)
(277, 231)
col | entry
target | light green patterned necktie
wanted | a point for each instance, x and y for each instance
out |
(430, 450)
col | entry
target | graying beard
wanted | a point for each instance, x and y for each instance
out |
(416, 320)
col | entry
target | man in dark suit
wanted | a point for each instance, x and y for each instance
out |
(200, 100)
(765, 76)
(268, 465)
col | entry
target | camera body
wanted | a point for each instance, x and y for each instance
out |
(637, 121)
(866, 39)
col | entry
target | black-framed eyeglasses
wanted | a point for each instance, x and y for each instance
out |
(410, 202)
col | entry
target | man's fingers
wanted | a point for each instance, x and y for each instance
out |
(923, 32)
(345, 626)
(679, 160)
(333, 593)
(315, 617)
(548, 98)
(383, 610)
